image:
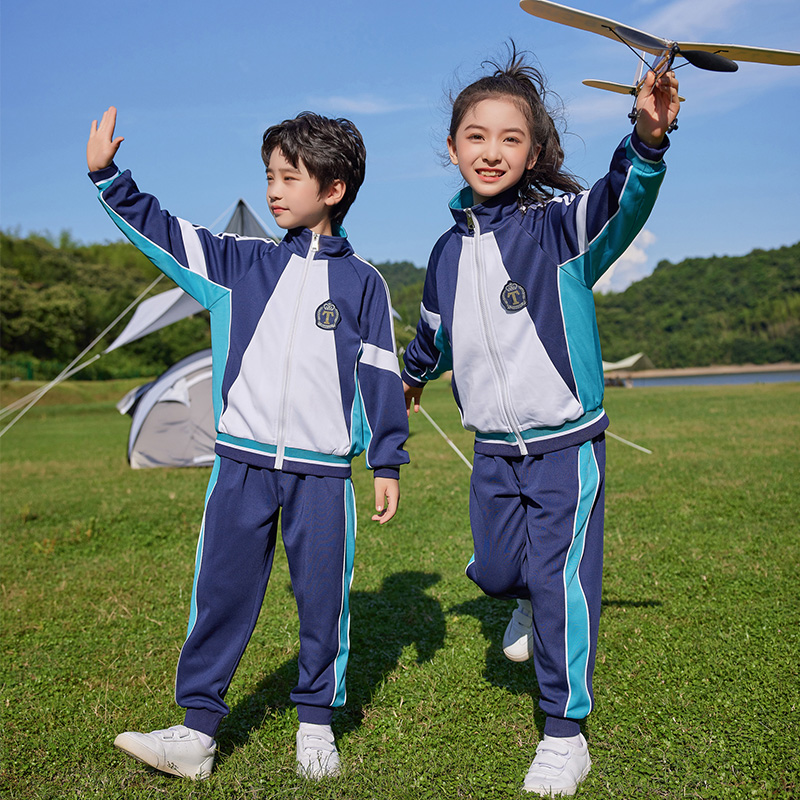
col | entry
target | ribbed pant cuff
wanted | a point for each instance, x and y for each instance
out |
(314, 714)
(562, 727)
(203, 720)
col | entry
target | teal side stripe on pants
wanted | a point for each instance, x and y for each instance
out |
(198, 559)
(577, 633)
(340, 666)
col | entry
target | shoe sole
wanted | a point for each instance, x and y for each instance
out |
(518, 632)
(140, 752)
(516, 658)
(568, 791)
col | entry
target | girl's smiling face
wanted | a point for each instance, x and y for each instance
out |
(493, 147)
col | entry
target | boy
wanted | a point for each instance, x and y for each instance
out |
(305, 378)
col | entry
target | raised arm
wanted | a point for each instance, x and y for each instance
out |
(102, 146)
(203, 264)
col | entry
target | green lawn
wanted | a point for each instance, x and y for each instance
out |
(697, 685)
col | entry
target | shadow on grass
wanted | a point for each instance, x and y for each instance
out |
(382, 624)
(499, 671)
(630, 604)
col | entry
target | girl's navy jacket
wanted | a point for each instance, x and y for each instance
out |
(508, 306)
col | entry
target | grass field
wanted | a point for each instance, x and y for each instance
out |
(697, 685)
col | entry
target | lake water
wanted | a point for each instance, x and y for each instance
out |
(713, 379)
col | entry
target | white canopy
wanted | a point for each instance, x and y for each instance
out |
(155, 313)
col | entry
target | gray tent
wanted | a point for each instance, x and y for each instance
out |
(172, 421)
(172, 418)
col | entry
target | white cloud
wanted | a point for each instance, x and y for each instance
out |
(686, 19)
(631, 266)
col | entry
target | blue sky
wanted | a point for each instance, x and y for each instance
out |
(196, 83)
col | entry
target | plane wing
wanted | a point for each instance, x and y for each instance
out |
(555, 12)
(640, 40)
(741, 52)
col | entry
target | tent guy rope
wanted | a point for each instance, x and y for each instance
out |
(469, 465)
(70, 369)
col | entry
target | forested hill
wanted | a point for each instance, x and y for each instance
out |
(58, 295)
(718, 310)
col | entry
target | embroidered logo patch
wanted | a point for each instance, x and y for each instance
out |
(513, 297)
(328, 316)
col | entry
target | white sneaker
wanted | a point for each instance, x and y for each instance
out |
(518, 638)
(176, 751)
(559, 766)
(317, 756)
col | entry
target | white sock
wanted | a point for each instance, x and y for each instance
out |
(206, 740)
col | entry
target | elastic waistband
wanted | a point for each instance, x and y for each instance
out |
(295, 460)
(543, 440)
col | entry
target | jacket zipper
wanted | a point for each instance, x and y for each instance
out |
(284, 408)
(492, 349)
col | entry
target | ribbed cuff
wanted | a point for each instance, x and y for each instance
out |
(562, 727)
(317, 715)
(203, 720)
(411, 381)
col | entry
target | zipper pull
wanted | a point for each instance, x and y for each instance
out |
(314, 243)
(470, 222)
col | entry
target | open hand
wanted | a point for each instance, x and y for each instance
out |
(102, 146)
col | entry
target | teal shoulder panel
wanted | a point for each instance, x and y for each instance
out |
(203, 290)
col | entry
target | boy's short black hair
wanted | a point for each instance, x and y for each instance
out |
(331, 149)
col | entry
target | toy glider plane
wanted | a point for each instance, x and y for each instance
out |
(715, 57)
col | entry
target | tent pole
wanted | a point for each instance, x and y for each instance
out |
(222, 216)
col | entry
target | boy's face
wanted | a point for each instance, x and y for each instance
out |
(294, 196)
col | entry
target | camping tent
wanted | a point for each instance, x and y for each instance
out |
(172, 421)
(637, 361)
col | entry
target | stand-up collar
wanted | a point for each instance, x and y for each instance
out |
(298, 240)
(490, 214)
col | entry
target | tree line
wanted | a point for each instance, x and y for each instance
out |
(702, 311)
(58, 295)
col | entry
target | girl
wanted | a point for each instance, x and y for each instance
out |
(508, 306)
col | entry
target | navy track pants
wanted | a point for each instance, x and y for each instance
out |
(537, 526)
(233, 563)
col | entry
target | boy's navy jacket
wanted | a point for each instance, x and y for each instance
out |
(305, 374)
(508, 306)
